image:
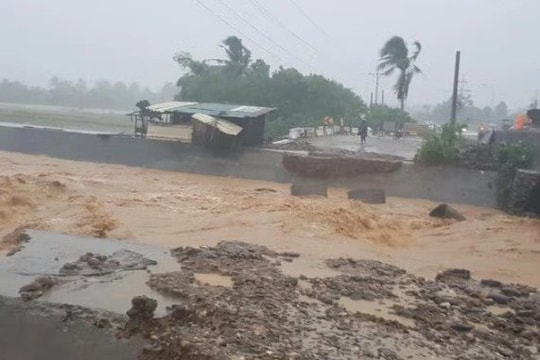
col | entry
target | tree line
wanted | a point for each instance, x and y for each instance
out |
(300, 100)
(103, 94)
(468, 113)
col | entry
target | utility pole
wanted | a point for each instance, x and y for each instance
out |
(371, 101)
(462, 83)
(455, 92)
(382, 97)
(377, 75)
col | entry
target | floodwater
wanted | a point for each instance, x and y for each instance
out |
(379, 309)
(171, 209)
(46, 252)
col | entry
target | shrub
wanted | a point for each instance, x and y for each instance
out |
(510, 158)
(439, 149)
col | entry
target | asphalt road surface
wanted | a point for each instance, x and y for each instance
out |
(405, 147)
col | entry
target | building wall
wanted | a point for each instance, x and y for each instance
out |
(212, 138)
(253, 133)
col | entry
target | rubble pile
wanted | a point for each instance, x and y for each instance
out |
(269, 315)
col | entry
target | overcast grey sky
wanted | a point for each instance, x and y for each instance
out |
(135, 40)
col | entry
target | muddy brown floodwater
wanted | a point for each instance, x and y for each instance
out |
(176, 209)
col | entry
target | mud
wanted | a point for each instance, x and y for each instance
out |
(371, 310)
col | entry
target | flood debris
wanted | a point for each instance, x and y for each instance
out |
(269, 315)
(91, 264)
(37, 288)
(445, 211)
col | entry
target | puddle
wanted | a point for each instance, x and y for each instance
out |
(46, 252)
(307, 267)
(499, 310)
(214, 280)
(374, 308)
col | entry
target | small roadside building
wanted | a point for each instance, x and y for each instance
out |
(252, 119)
(215, 133)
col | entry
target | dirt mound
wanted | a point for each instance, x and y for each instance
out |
(44, 203)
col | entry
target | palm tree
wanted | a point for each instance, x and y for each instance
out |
(395, 55)
(239, 56)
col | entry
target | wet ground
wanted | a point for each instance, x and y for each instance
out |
(45, 254)
(405, 147)
(31, 331)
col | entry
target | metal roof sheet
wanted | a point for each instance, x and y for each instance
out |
(224, 110)
(169, 106)
(222, 125)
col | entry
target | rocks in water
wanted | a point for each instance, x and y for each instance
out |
(37, 288)
(142, 308)
(368, 196)
(445, 211)
(453, 274)
(91, 264)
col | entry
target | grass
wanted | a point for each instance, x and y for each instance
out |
(69, 118)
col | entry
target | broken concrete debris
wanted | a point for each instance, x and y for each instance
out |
(445, 211)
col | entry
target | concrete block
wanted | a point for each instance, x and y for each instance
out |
(309, 189)
(368, 196)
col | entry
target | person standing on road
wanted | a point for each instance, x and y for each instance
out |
(362, 131)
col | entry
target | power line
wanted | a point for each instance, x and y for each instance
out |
(240, 32)
(321, 30)
(265, 12)
(264, 34)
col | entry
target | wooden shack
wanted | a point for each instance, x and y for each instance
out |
(215, 133)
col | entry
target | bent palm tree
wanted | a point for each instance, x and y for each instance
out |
(239, 56)
(396, 56)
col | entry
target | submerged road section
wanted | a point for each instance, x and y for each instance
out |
(446, 184)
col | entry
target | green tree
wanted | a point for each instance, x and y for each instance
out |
(300, 100)
(395, 55)
(238, 55)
